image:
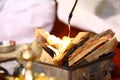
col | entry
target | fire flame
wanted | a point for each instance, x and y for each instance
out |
(59, 45)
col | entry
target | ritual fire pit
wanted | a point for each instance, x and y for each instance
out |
(85, 57)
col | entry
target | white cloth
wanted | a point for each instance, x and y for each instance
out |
(92, 15)
(18, 18)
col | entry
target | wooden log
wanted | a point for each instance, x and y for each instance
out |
(106, 48)
(89, 46)
(47, 39)
(80, 36)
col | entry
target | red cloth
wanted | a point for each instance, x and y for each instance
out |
(116, 60)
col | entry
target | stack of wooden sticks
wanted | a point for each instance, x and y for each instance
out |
(85, 46)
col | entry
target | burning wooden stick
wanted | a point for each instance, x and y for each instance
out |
(79, 40)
